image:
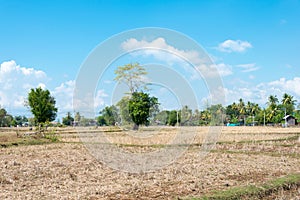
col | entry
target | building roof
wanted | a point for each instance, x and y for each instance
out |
(288, 116)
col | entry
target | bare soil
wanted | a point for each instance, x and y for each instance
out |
(66, 170)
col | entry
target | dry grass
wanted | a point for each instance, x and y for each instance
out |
(66, 170)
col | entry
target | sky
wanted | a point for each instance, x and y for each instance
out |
(254, 45)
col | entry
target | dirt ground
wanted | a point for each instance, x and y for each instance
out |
(67, 170)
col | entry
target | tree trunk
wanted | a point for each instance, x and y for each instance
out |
(135, 127)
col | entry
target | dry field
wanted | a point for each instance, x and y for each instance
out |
(243, 156)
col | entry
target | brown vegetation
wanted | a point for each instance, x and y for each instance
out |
(243, 156)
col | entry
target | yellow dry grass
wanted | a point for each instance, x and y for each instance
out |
(66, 170)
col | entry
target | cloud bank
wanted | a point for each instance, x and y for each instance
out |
(16, 82)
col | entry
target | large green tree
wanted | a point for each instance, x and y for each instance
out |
(140, 105)
(42, 105)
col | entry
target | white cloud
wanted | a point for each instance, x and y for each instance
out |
(234, 46)
(224, 69)
(285, 85)
(64, 98)
(259, 93)
(99, 98)
(63, 95)
(15, 82)
(213, 70)
(248, 67)
(162, 51)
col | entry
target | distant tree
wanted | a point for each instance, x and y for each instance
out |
(77, 117)
(186, 115)
(272, 101)
(174, 118)
(288, 103)
(140, 105)
(274, 110)
(132, 75)
(42, 105)
(123, 106)
(86, 121)
(217, 113)
(5, 118)
(110, 115)
(232, 111)
(19, 120)
(161, 118)
(68, 120)
(205, 117)
(101, 121)
(242, 111)
(196, 117)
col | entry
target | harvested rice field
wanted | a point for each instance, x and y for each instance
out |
(245, 163)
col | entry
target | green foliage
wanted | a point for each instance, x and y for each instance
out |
(255, 192)
(68, 120)
(109, 116)
(86, 121)
(140, 105)
(52, 136)
(238, 112)
(234, 120)
(161, 118)
(217, 113)
(205, 117)
(173, 117)
(42, 105)
(132, 75)
(5, 118)
(288, 103)
(20, 120)
(185, 116)
(101, 121)
(123, 106)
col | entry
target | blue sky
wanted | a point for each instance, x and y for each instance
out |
(254, 44)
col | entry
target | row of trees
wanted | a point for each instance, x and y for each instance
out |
(238, 113)
(8, 120)
(139, 108)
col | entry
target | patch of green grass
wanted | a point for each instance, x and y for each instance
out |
(52, 136)
(11, 139)
(254, 192)
(26, 141)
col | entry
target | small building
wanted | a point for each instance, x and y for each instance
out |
(290, 120)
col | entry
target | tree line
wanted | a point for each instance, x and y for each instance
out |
(137, 108)
(237, 113)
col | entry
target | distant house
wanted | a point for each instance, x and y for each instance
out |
(290, 120)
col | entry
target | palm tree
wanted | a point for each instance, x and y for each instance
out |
(288, 103)
(206, 116)
(272, 109)
(242, 109)
(272, 100)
